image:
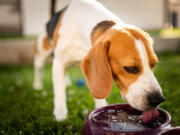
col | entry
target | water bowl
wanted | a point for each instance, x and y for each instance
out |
(173, 131)
(122, 119)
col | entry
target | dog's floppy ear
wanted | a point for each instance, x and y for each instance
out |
(97, 70)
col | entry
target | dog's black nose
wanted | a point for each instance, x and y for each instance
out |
(155, 99)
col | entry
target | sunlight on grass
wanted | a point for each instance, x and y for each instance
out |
(170, 32)
(166, 32)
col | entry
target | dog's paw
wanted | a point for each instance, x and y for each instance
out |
(37, 86)
(60, 115)
(100, 103)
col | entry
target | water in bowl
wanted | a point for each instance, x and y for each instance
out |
(120, 120)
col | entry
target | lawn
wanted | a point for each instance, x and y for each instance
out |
(165, 33)
(26, 111)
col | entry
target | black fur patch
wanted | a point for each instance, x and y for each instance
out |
(103, 26)
(52, 23)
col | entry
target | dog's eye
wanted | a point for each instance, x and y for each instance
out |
(132, 70)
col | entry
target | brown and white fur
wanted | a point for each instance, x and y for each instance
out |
(108, 48)
(42, 50)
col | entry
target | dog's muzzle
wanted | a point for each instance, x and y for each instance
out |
(155, 99)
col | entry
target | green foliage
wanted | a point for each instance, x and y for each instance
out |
(167, 72)
(170, 32)
(26, 111)
(155, 32)
(166, 32)
(16, 37)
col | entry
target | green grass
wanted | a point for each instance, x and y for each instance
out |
(166, 32)
(16, 37)
(26, 111)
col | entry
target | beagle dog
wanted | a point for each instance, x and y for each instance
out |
(108, 50)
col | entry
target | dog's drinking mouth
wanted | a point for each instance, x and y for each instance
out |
(150, 116)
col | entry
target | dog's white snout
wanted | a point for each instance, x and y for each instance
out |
(145, 93)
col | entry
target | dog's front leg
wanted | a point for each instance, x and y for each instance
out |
(100, 102)
(39, 61)
(60, 108)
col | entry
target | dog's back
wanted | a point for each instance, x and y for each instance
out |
(52, 23)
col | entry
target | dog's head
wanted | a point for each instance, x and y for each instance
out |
(126, 55)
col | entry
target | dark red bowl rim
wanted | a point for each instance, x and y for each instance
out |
(166, 124)
(170, 130)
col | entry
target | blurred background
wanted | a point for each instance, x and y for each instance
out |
(24, 19)
(24, 110)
